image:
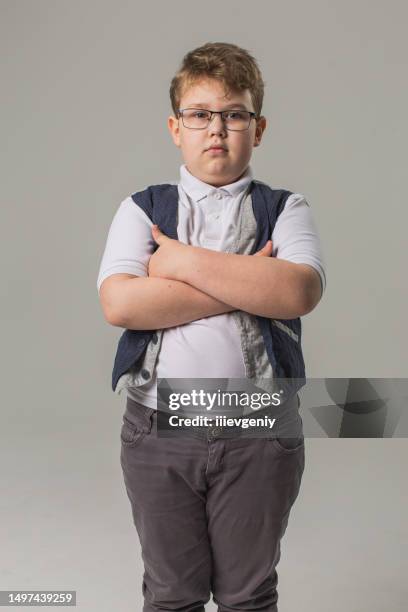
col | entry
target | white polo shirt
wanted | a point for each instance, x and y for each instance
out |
(207, 217)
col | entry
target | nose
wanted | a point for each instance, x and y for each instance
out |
(216, 125)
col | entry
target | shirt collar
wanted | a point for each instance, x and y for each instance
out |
(197, 189)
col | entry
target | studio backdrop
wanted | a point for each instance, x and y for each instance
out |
(85, 101)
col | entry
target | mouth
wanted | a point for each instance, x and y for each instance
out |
(216, 149)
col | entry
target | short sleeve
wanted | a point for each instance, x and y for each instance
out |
(129, 244)
(295, 237)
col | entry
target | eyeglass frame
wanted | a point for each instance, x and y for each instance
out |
(252, 115)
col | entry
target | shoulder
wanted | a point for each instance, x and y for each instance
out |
(128, 213)
(267, 188)
(157, 187)
(150, 194)
(275, 198)
(297, 200)
(291, 198)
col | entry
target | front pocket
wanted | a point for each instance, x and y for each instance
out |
(130, 434)
(287, 445)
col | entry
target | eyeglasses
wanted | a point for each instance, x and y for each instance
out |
(199, 119)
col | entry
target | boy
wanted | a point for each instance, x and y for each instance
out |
(210, 294)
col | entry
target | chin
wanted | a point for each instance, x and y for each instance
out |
(219, 167)
(218, 176)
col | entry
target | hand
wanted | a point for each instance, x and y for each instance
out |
(168, 258)
(171, 255)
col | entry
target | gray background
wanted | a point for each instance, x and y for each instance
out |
(85, 103)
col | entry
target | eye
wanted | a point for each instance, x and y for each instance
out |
(235, 115)
(200, 114)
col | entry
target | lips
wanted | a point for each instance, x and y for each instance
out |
(216, 148)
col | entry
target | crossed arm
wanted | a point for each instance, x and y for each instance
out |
(187, 283)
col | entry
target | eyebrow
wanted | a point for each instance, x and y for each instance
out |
(203, 105)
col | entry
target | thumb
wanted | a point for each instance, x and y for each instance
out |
(157, 234)
(266, 250)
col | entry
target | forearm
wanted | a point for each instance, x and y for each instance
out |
(158, 303)
(264, 286)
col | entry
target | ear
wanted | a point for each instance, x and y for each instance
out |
(260, 128)
(174, 128)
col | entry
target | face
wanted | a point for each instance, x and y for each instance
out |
(216, 167)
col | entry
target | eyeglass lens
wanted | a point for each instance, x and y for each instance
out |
(199, 119)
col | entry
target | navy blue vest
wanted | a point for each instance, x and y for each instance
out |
(160, 203)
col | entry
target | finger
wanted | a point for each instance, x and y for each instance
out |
(157, 234)
(266, 250)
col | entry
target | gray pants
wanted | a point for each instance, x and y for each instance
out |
(210, 508)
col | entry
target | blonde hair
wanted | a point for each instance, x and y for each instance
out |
(235, 67)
